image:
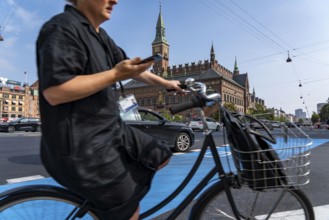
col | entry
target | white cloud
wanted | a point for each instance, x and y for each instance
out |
(30, 19)
(8, 43)
(5, 66)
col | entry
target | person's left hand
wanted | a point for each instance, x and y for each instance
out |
(174, 85)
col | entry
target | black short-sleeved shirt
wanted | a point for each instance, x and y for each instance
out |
(85, 144)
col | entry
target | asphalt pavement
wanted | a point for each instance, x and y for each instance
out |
(168, 179)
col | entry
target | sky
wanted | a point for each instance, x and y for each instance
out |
(259, 34)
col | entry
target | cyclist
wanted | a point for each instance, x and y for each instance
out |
(85, 145)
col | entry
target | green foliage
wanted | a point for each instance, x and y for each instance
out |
(178, 118)
(281, 119)
(165, 113)
(300, 121)
(230, 106)
(262, 112)
(324, 113)
(315, 118)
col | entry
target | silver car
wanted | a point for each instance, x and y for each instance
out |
(196, 124)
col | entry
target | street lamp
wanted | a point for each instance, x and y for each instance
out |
(288, 59)
(1, 38)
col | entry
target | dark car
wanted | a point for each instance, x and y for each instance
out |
(292, 124)
(21, 124)
(178, 136)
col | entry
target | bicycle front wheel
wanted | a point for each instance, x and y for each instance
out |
(41, 206)
(276, 203)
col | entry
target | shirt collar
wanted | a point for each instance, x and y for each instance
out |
(81, 17)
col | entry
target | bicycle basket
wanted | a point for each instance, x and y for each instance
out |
(262, 165)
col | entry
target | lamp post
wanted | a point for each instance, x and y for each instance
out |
(1, 37)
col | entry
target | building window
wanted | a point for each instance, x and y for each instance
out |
(167, 100)
(173, 99)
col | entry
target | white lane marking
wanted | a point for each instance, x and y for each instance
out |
(321, 212)
(24, 179)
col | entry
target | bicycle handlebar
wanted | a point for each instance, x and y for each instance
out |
(199, 100)
(196, 101)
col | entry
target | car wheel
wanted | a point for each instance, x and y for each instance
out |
(217, 128)
(183, 142)
(11, 129)
(38, 128)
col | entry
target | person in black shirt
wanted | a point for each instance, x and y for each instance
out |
(85, 145)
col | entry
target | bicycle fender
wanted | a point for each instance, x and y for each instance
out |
(51, 189)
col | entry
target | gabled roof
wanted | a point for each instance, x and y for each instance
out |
(241, 79)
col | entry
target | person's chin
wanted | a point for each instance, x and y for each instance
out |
(107, 17)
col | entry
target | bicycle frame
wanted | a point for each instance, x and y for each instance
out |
(218, 168)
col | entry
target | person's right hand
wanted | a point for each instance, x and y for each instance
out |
(128, 69)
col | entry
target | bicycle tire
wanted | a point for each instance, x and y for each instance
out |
(40, 205)
(253, 204)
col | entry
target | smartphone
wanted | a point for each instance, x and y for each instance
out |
(156, 57)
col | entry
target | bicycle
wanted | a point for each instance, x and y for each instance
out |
(258, 184)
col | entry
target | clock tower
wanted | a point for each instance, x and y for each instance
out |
(161, 46)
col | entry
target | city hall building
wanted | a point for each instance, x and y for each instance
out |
(232, 85)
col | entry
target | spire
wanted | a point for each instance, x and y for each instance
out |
(212, 53)
(160, 36)
(236, 69)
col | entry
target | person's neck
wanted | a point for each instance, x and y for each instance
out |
(91, 18)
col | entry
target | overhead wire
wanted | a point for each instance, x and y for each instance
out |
(260, 24)
(242, 23)
(282, 45)
(10, 14)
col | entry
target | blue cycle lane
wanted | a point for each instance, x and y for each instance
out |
(170, 177)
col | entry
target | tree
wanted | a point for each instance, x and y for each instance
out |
(315, 118)
(324, 113)
(260, 111)
(230, 106)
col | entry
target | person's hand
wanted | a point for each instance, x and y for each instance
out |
(128, 69)
(174, 85)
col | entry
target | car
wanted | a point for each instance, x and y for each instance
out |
(21, 124)
(292, 124)
(177, 136)
(196, 124)
(276, 124)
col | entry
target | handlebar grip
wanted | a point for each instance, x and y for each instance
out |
(196, 101)
(182, 86)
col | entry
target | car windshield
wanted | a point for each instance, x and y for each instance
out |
(147, 116)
